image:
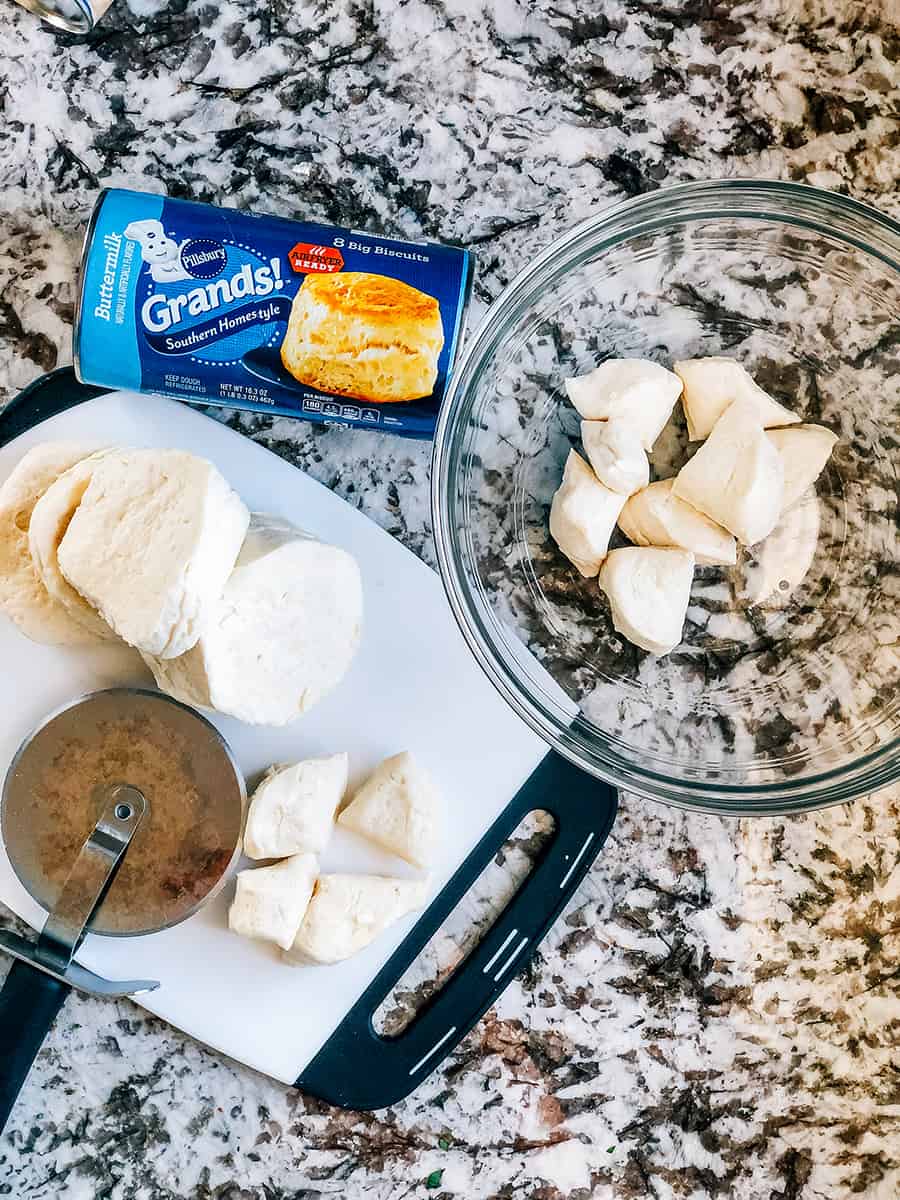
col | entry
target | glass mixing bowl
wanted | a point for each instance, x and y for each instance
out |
(782, 695)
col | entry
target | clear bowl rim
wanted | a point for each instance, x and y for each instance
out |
(864, 228)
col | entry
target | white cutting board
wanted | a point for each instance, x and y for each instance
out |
(414, 685)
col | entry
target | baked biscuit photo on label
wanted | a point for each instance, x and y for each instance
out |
(365, 336)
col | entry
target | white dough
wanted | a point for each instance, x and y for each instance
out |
(151, 545)
(616, 454)
(804, 451)
(780, 564)
(399, 808)
(49, 522)
(270, 902)
(655, 516)
(23, 596)
(636, 389)
(347, 912)
(282, 634)
(293, 808)
(583, 515)
(736, 477)
(712, 384)
(649, 589)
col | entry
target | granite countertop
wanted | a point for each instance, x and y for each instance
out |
(718, 1015)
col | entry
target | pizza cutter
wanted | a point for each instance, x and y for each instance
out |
(121, 815)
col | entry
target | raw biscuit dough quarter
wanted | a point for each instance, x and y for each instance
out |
(649, 589)
(655, 516)
(347, 913)
(737, 476)
(398, 808)
(369, 337)
(292, 810)
(270, 902)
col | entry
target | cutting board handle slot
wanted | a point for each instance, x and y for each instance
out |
(362, 1069)
(462, 932)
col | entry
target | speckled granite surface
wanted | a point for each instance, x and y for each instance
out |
(719, 1014)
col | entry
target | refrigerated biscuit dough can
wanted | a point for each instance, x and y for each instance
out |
(247, 311)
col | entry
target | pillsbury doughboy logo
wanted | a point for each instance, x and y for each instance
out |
(218, 321)
(161, 253)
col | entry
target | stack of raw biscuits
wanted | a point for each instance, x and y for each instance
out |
(244, 615)
(756, 461)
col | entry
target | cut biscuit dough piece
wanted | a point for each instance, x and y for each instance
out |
(270, 902)
(583, 515)
(23, 596)
(804, 451)
(736, 477)
(152, 544)
(347, 913)
(293, 808)
(398, 808)
(282, 635)
(648, 589)
(616, 454)
(712, 384)
(636, 389)
(49, 522)
(654, 516)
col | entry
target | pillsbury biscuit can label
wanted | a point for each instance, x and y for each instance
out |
(222, 307)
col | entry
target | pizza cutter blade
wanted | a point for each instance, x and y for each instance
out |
(121, 815)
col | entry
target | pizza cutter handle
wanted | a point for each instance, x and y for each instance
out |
(29, 1003)
(360, 1068)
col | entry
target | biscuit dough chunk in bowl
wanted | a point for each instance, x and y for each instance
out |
(782, 693)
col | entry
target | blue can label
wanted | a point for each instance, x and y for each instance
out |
(223, 307)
